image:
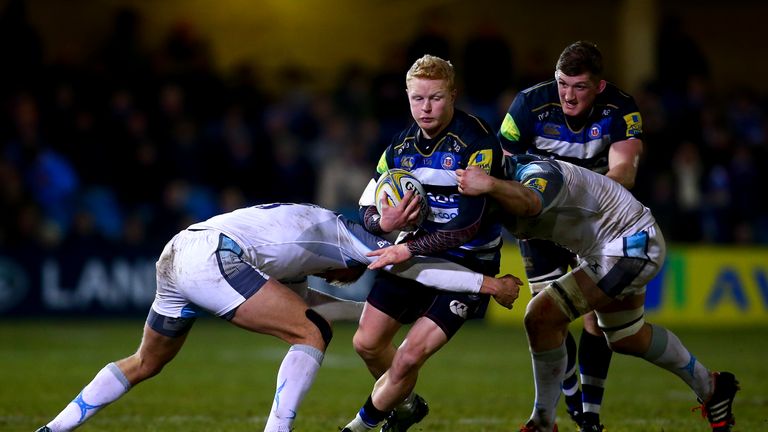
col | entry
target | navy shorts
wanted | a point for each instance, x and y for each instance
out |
(544, 260)
(406, 300)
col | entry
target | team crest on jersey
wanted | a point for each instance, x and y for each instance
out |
(407, 163)
(595, 131)
(483, 159)
(551, 130)
(448, 162)
(537, 183)
(634, 123)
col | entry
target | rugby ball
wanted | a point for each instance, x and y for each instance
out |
(393, 185)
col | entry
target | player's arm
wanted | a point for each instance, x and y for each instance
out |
(367, 202)
(360, 246)
(513, 134)
(624, 155)
(623, 159)
(446, 275)
(455, 233)
(513, 197)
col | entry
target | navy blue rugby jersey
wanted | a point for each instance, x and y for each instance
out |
(535, 124)
(466, 141)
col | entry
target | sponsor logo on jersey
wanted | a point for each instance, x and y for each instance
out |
(483, 159)
(509, 129)
(537, 183)
(634, 123)
(595, 131)
(458, 308)
(448, 162)
(442, 216)
(443, 199)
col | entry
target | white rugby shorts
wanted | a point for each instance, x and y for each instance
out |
(628, 264)
(203, 270)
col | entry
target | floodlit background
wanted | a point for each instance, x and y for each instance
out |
(125, 121)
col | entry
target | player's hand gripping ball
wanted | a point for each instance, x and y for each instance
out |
(393, 185)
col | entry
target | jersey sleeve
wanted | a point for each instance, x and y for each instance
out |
(513, 133)
(356, 242)
(543, 179)
(438, 273)
(367, 210)
(630, 123)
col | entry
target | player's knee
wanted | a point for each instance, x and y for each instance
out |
(364, 346)
(566, 294)
(326, 332)
(409, 357)
(531, 319)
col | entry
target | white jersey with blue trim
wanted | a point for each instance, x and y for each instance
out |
(586, 212)
(290, 241)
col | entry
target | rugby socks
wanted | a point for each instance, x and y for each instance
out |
(367, 418)
(668, 352)
(106, 387)
(296, 375)
(594, 361)
(571, 381)
(548, 371)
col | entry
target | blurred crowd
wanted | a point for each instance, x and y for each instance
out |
(133, 144)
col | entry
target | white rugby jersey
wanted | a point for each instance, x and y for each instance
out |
(586, 212)
(290, 241)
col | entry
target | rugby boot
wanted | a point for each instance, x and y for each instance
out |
(531, 427)
(588, 427)
(719, 408)
(402, 419)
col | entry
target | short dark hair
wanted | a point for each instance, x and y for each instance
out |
(580, 57)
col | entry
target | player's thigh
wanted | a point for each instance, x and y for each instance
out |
(375, 329)
(278, 311)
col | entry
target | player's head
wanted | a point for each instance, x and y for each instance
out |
(578, 73)
(431, 88)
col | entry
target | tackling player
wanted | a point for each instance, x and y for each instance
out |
(620, 249)
(232, 266)
(583, 119)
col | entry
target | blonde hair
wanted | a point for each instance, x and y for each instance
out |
(432, 68)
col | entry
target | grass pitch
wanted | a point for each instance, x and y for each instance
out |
(224, 379)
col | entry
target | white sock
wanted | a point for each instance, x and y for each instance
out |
(548, 373)
(295, 377)
(106, 387)
(359, 425)
(668, 352)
